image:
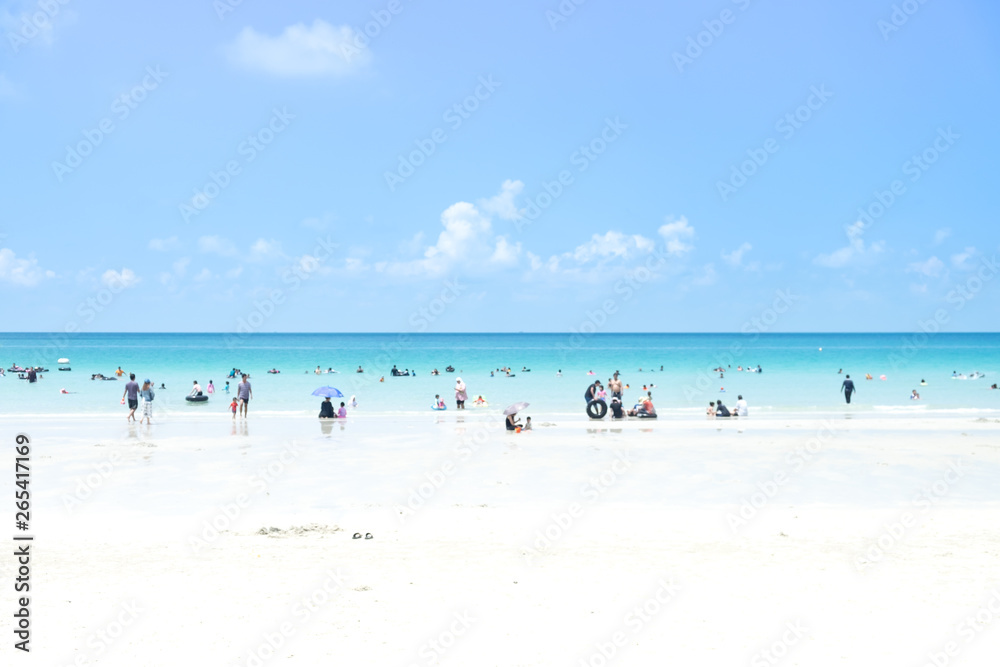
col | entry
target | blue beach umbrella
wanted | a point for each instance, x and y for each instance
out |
(328, 392)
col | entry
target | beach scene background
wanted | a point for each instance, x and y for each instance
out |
(800, 371)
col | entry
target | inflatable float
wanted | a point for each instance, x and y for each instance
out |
(597, 409)
(439, 407)
(196, 399)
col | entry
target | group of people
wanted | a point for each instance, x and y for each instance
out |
(596, 392)
(718, 409)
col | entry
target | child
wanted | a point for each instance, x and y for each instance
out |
(711, 409)
(211, 387)
(227, 386)
(233, 406)
(527, 424)
(438, 402)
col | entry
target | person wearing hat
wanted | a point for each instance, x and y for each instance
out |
(147, 401)
(460, 395)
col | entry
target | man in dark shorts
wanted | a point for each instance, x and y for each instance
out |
(244, 394)
(132, 391)
(848, 388)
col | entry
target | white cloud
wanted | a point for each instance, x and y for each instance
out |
(844, 256)
(300, 51)
(707, 277)
(232, 274)
(265, 249)
(735, 258)
(24, 272)
(961, 260)
(674, 233)
(119, 279)
(319, 224)
(941, 234)
(180, 266)
(502, 205)
(931, 267)
(611, 245)
(164, 245)
(467, 240)
(204, 275)
(217, 245)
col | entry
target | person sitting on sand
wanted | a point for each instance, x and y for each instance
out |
(527, 424)
(741, 407)
(342, 412)
(645, 408)
(711, 409)
(721, 410)
(326, 409)
(511, 422)
(438, 403)
(616, 409)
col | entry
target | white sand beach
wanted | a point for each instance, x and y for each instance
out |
(751, 542)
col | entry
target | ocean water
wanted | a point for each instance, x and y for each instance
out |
(800, 371)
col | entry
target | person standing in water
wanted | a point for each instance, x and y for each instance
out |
(848, 388)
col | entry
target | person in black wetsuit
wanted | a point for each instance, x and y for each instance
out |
(848, 388)
(326, 409)
(616, 409)
(721, 410)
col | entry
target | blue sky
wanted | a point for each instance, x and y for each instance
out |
(518, 166)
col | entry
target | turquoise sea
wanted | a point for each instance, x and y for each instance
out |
(800, 371)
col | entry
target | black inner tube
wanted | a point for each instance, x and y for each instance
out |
(597, 409)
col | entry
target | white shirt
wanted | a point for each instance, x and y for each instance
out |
(741, 408)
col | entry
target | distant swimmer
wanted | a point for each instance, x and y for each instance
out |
(840, 372)
(923, 383)
(360, 370)
(914, 396)
(558, 373)
(848, 388)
